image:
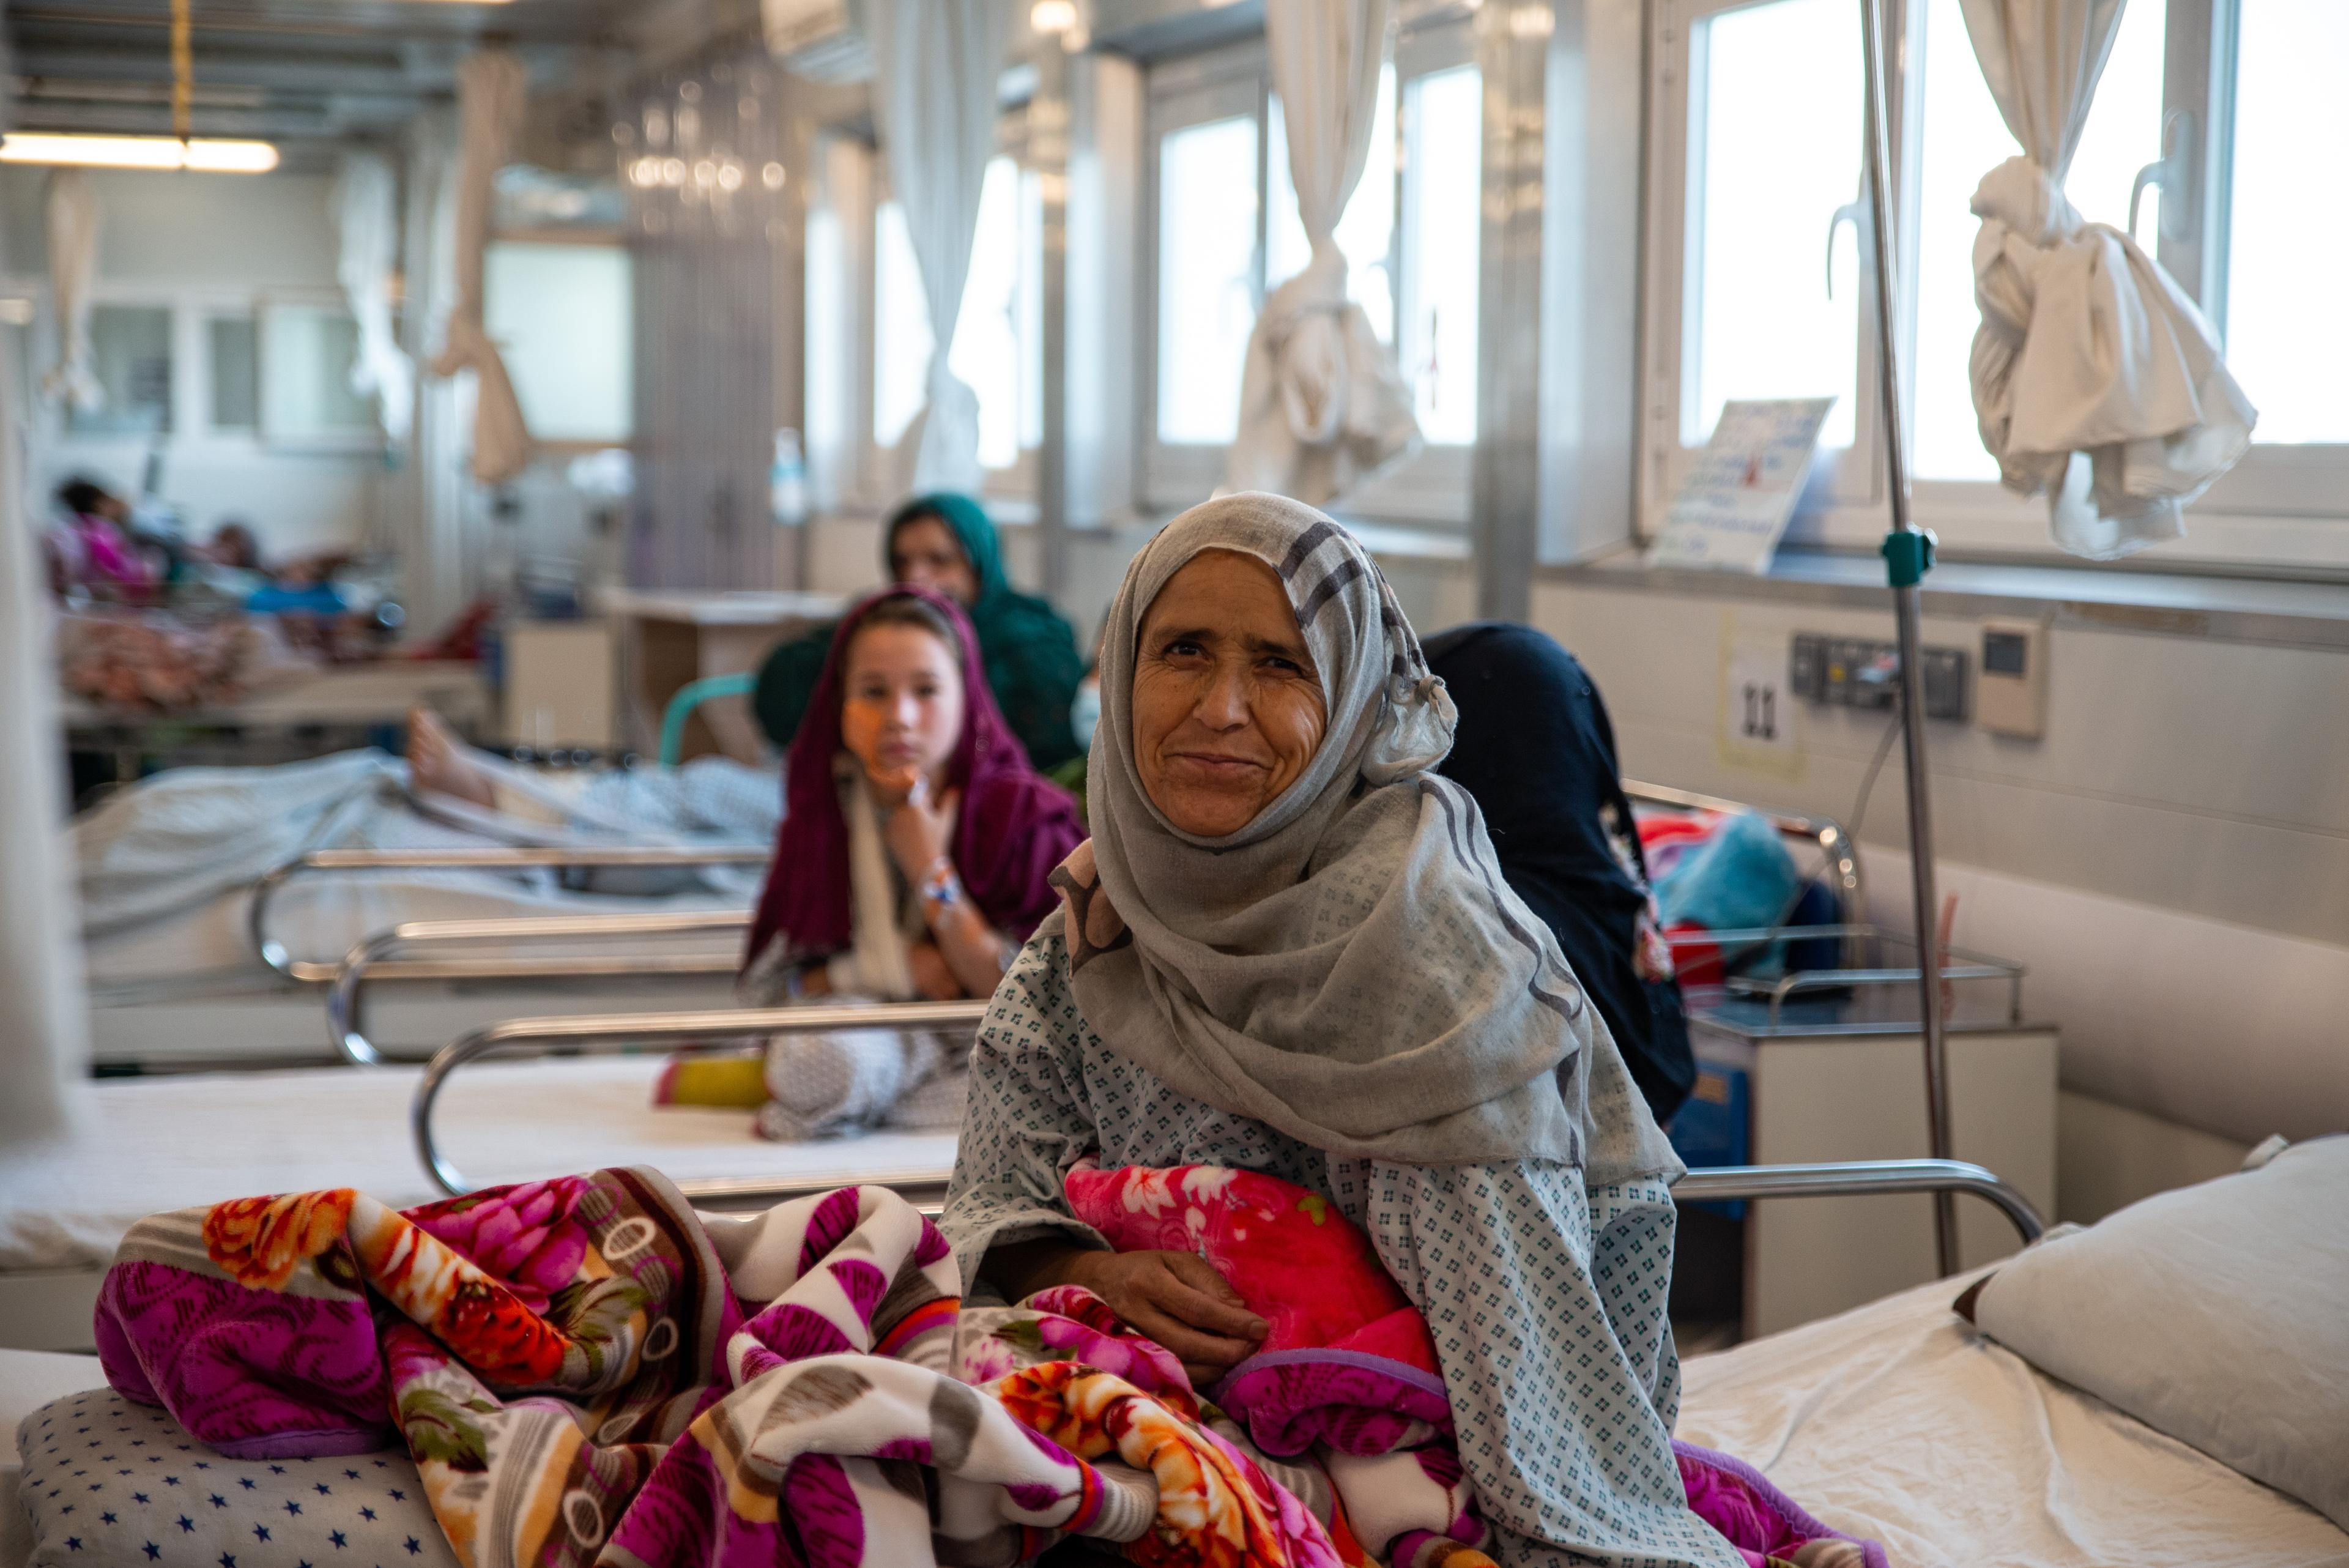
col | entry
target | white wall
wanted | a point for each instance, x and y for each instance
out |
(216, 240)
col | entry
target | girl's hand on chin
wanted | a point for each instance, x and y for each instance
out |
(920, 831)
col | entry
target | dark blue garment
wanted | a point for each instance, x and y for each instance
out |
(1535, 748)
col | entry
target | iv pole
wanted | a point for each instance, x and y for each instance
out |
(1907, 554)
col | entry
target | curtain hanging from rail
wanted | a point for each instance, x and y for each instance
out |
(1322, 404)
(73, 265)
(44, 1026)
(490, 88)
(702, 161)
(366, 234)
(934, 67)
(2097, 380)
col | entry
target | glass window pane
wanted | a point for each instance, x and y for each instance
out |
(306, 354)
(1366, 228)
(1207, 265)
(235, 373)
(1965, 140)
(564, 317)
(1443, 161)
(902, 340)
(130, 350)
(2287, 314)
(986, 353)
(1775, 150)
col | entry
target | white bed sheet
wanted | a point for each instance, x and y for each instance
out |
(1897, 1421)
(154, 1144)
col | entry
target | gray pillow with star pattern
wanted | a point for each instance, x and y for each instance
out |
(110, 1484)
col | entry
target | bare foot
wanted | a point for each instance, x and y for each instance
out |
(439, 762)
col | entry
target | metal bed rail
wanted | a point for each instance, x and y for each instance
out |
(1777, 990)
(686, 1032)
(273, 954)
(1835, 847)
(1863, 1179)
(373, 958)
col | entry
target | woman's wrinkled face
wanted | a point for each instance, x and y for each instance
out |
(1227, 707)
(901, 706)
(925, 554)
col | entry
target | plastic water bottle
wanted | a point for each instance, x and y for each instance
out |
(787, 481)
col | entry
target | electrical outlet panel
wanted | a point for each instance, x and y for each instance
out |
(1855, 672)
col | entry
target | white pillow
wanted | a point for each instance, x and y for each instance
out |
(2218, 1315)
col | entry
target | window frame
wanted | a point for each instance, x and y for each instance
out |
(2279, 509)
(1432, 487)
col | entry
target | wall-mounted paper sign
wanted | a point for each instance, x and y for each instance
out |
(1740, 494)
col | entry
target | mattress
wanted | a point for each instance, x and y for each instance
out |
(1897, 1421)
(151, 1144)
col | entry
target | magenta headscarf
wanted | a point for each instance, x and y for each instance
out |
(1014, 823)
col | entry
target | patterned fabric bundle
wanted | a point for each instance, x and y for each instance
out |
(586, 1371)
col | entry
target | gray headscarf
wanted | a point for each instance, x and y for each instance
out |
(1350, 968)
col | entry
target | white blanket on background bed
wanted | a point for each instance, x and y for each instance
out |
(152, 1144)
(1898, 1421)
(183, 840)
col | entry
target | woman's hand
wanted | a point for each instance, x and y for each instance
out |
(1176, 1299)
(920, 831)
(933, 976)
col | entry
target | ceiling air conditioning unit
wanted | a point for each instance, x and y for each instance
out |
(822, 40)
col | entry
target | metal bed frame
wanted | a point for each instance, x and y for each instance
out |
(703, 1032)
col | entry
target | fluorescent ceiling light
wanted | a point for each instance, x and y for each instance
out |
(203, 155)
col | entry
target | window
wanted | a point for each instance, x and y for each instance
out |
(1964, 139)
(1224, 232)
(307, 353)
(998, 349)
(1444, 132)
(2228, 110)
(130, 353)
(2287, 324)
(563, 317)
(234, 345)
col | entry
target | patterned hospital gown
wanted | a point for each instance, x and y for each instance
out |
(1545, 1298)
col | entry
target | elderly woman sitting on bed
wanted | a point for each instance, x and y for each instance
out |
(1288, 948)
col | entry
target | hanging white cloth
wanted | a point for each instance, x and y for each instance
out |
(936, 64)
(2097, 380)
(73, 263)
(490, 91)
(1321, 405)
(366, 234)
(44, 1027)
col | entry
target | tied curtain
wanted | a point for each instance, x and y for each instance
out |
(935, 63)
(73, 265)
(366, 235)
(490, 92)
(2096, 379)
(1322, 404)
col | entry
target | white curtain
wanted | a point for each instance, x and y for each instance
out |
(490, 92)
(936, 64)
(44, 1026)
(366, 235)
(1321, 405)
(73, 263)
(2095, 378)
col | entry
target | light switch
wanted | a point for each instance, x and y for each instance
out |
(2010, 691)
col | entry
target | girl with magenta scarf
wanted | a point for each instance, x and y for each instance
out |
(913, 861)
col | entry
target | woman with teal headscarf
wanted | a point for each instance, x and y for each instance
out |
(945, 541)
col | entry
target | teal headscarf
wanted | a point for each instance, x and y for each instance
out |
(1028, 651)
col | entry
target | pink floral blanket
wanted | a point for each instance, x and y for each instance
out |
(587, 1372)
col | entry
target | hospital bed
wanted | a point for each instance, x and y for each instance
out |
(217, 985)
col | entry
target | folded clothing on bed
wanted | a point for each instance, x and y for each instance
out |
(830, 1084)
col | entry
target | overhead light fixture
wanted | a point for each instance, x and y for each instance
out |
(203, 155)
(1050, 16)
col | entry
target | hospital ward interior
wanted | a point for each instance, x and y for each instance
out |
(1680, 666)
